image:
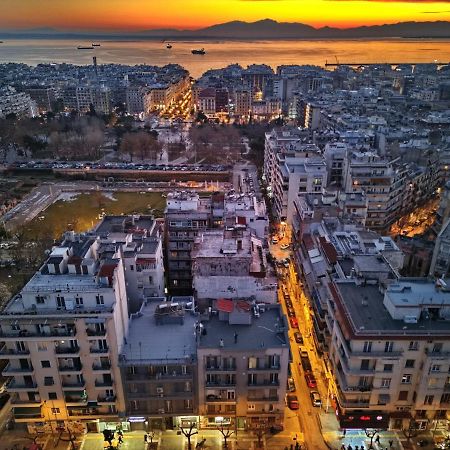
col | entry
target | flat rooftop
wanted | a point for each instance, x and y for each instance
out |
(265, 331)
(363, 307)
(146, 341)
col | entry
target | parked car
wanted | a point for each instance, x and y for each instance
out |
(292, 401)
(294, 322)
(315, 398)
(274, 240)
(291, 384)
(291, 312)
(288, 303)
(310, 380)
(298, 337)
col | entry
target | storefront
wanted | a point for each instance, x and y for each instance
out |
(362, 420)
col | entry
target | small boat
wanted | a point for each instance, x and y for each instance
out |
(95, 45)
(169, 46)
(1, 42)
(80, 47)
(199, 52)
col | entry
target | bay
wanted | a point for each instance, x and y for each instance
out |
(221, 53)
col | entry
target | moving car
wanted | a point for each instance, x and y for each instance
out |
(298, 337)
(274, 240)
(294, 322)
(292, 401)
(315, 398)
(291, 384)
(310, 380)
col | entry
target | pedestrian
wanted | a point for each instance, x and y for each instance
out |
(343, 447)
(145, 438)
(391, 442)
(377, 439)
(349, 447)
(120, 439)
(297, 446)
(344, 432)
(120, 433)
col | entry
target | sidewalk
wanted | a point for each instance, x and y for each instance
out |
(335, 439)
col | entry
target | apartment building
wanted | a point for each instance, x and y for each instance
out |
(18, 103)
(97, 96)
(383, 184)
(440, 261)
(158, 364)
(243, 357)
(61, 337)
(135, 99)
(140, 241)
(44, 96)
(389, 354)
(186, 216)
(231, 263)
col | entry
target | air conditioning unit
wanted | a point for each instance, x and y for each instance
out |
(159, 390)
(161, 411)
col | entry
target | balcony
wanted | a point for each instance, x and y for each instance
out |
(9, 370)
(219, 384)
(16, 400)
(100, 367)
(14, 386)
(75, 398)
(9, 353)
(64, 350)
(436, 354)
(378, 354)
(25, 413)
(220, 368)
(273, 398)
(177, 376)
(92, 332)
(258, 384)
(73, 384)
(15, 335)
(74, 368)
(218, 399)
(266, 368)
(99, 350)
(103, 383)
(106, 400)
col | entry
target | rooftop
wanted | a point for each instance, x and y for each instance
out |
(146, 341)
(266, 331)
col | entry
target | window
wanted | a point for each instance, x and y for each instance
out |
(55, 410)
(251, 406)
(79, 301)
(406, 379)
(41, 347)
(132, 268)
(99, 300)
(435, 368)
(274, 378)
(231, 395)
(445, 398)
(409, 363)
(365, 364)
(385, 382)
(60, 302)
(48, 381)
(437, 348)
(403, 395)
(388, 347)
(367, 347)
(388, 368)
(52, 396)
(45, 364)
(428, 400)
(40, 299)
(150, 280)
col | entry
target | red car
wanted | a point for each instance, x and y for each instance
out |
(310, 380)
(294, 322)
(292, 401)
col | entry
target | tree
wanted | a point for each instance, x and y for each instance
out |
(189, 432)
(226, 433)
(412, 430)
(260, 429)
(371, 433)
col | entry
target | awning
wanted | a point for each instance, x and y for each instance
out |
(225, 305)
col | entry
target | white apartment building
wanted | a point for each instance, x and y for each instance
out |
(19, 103)
(389, 354)
(62, 335)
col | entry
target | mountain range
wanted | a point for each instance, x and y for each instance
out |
(262, 29)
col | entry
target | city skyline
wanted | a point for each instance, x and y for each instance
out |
(137, 15)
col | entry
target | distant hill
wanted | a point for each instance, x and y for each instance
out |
(262, 29)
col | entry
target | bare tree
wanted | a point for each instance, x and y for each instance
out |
(371, 433)
(226, 433)
(189, 432)
(260, 430)
(412, 430)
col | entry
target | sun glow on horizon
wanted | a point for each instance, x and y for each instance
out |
(135, 15)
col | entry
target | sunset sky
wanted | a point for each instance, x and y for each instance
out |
(191, 14)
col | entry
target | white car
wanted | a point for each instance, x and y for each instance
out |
(315, 398)
(274, 240)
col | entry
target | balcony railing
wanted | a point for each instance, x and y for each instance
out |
(272, 398)
(91, 332)
(74, 368)
(67, 350)
(218, 368)
(23, 334)
(110, 399)
(9, 370)
(103, 366)
(99, 350)
(8, 352)
(220, 384)
(73, 384)
(266, 367)
(13, 386)
(263, 383)
(103, 383)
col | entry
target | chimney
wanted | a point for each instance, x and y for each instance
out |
(94, 60)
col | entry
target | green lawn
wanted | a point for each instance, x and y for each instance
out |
(85, 211)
